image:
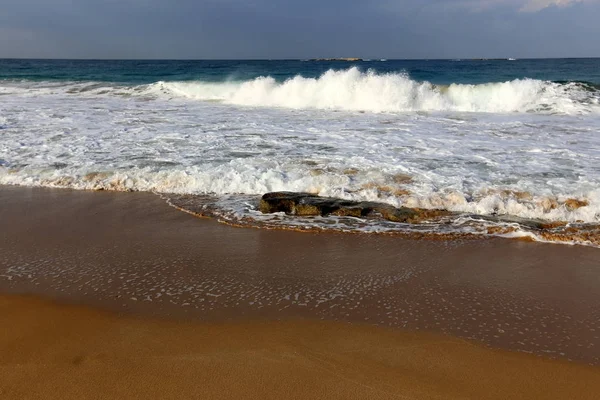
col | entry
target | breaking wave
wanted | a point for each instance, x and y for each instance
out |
(354, 90)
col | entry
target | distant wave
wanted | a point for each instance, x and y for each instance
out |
(354, 90)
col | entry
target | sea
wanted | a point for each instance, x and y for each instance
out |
(508, 147)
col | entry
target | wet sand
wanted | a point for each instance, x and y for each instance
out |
(52, 351)
(159, 273)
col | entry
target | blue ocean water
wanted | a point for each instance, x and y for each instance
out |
(443, 72)
(496, 142)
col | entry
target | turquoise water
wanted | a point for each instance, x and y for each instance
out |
(443, 72)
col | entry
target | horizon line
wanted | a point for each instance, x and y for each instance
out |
(334, 59)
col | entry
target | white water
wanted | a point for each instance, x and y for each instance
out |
(353, 90)
(467, 148)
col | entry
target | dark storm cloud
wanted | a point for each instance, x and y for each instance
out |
(298, 29)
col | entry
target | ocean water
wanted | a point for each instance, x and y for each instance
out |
(498, 142)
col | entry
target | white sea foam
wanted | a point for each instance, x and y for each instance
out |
(354, 90)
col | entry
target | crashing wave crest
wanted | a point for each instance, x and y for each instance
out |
(353, 90)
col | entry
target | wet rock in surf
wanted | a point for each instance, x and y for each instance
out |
(402, 179)
(307, 204)
(385, 189)
(574, 204)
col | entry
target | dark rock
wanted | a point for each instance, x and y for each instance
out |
(307, 204)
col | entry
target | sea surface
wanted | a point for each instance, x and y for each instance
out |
(511, 147)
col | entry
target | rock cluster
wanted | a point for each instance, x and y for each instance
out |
(307, 204)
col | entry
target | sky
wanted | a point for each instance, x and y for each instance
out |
(281, 29)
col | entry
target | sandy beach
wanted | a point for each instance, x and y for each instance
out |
(54, 351)
(112, 295)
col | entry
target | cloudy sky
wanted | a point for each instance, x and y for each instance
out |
(299, 28)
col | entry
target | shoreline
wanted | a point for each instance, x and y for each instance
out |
(131, 253)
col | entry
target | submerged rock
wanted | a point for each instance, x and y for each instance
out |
(530, 223)
(307, 204)
(574, 204)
